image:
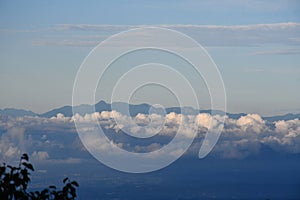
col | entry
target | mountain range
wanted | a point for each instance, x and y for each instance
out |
(133, 111)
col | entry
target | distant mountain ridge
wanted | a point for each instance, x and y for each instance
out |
(133, 111)
(122, 107)
(16, 112)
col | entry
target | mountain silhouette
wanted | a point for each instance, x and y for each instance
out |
(133, 109)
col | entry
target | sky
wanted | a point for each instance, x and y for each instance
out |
(255, 45)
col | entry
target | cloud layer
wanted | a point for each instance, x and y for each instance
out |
(46, 138)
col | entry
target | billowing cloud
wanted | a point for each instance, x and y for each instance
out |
(12, 143)
(241, 137)
(288, 134)
(251, 121)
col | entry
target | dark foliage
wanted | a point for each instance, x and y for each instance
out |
(14, 182)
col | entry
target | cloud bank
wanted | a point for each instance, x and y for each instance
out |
(46, 138)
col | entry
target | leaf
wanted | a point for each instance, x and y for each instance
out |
(65, 179)
(25, 157)
(52, 187)
(75, 183)
(45, 191)
(2, 169)
(29, 166)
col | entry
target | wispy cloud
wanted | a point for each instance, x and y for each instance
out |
(278, 52)
(207, 35)
(72, 43)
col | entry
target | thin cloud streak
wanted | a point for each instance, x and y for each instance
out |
(208, 35)
(278, 52)
(106, 27)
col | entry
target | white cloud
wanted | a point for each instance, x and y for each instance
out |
(39, 155)
(12, 143)
(240, 137)
(251, 121)
(65, 161)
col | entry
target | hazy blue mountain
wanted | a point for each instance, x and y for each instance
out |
(81, 109)
(288, 116)
(133, 111)
(67, 111)
(99, 107)
(123, 107)
(16, 112)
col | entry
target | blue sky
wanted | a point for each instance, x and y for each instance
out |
(43, 44)
(18, 14)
